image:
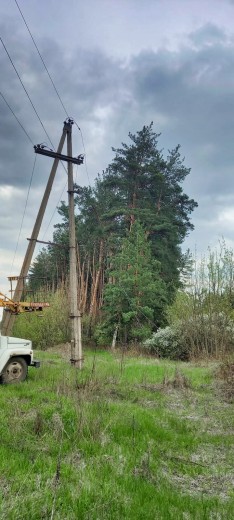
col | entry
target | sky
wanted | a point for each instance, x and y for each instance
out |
(117, 65)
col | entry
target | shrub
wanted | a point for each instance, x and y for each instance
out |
(168, 343)
(52, 328)
(210, 335)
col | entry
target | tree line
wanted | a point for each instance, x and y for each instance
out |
(130, 227)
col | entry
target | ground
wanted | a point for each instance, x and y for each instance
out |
(128, 437)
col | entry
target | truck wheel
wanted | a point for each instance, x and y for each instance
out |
(15, 371)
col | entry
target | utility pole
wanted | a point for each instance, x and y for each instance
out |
(8, 319)
(75, 315)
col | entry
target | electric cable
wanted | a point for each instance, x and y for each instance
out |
(38, 51)
(17, 119)
(60, 100)
(25, 207)
(52, 82)
(52, 216)
(85, 156)
(26, 92)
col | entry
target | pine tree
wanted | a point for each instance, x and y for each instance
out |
(134, 299)
(139, 188)
(146, 187)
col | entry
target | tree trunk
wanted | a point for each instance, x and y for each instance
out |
(93, 304)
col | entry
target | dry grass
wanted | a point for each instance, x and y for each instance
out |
(225, 373)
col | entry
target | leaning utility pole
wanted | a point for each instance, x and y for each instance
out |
(9, 319)
(75, 315)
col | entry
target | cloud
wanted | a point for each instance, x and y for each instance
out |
(188, 93)
(208, 34)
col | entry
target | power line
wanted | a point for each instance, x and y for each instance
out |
(86, 168)
(52, 82)
(57, 93)
(26, 92)
(75, 181)
(25, 207)
(54, 212)
(49, 75)
(17, 119)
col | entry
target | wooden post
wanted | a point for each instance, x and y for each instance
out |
(8, 319)
(75, 315)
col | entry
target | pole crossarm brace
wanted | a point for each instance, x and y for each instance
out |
(48, 243)
(41, 149)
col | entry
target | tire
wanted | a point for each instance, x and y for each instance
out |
(15, 371)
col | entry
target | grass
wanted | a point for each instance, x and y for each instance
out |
(125, 438)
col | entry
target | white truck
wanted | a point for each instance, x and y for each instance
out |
(16, 355)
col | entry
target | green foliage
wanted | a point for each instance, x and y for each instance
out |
(144, 186)
(203, 311)
(136, 294)
(49, 328)
(140, 186)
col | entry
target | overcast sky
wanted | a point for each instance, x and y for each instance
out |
(117, 64)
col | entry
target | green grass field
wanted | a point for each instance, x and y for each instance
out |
(125, 438)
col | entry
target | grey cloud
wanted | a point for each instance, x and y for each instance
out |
(208, 34)
(196, 97)
(188, 93)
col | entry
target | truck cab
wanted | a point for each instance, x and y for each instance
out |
(16, 355)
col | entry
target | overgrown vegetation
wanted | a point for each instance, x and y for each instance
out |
(127, 438)
(201, 318)
(50, 327)
(200, 322)
(134, 285)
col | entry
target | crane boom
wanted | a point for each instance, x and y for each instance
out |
(15, 308)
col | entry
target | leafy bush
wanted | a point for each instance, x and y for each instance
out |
(210, 335)
(168, 343)
(50, 329)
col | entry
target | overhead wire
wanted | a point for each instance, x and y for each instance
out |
(66, 112)
(17, 119)
(25, 207)
(40, 55)
(52, 216)
(30, 181)
(52, 82)
(51, 79)
(85, 155)
(25, 90)
(59, 97)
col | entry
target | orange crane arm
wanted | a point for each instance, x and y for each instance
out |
(19, 307)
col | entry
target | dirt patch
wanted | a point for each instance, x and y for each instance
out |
(217, 485)
(64, 350)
